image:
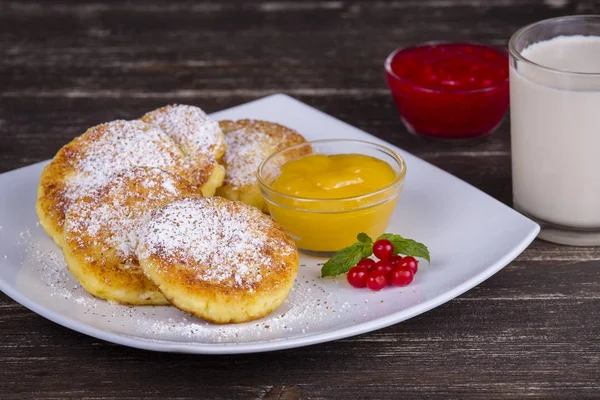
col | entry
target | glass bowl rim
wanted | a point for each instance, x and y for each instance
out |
(396, 182)
(512, 44)
(390, 72)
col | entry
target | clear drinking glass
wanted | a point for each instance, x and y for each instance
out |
(555, 127)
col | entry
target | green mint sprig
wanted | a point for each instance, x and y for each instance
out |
(348, 257)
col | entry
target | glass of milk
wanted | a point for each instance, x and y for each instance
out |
(555, 127)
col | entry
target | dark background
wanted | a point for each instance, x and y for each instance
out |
(530, 331)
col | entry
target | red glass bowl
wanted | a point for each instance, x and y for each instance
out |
(449, 97)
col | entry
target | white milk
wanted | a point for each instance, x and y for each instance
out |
(555, 132)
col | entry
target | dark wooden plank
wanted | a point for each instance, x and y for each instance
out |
(345, 52)
(56, 122)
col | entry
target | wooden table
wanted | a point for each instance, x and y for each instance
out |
(532, 330)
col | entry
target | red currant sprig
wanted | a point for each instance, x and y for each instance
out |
(389, 270)
(401, 274)
(388, 267)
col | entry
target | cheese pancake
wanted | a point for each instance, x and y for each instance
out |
(249, 143)
(101, 231)
(199, 137)
(221, 260)
(91, 159)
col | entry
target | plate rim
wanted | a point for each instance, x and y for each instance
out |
(278, 344)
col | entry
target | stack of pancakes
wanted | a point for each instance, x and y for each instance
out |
(130, 204)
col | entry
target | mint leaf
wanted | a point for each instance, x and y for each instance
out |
(408, 247)
(364, 238)
(348, 257)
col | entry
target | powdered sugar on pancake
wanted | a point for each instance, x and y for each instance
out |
(249, 143)
(110, 215)
(119, 145)
(191, 128)
(223, 242)
(245, 151)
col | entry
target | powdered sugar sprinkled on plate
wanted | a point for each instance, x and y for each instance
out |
(50, 267)
(309, 305)
(296, 315)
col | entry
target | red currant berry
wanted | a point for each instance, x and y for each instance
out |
(395, 260)
(357, 277)
(376, 280)
(385, 266)
(410, 263)
(402, 276)
(383, 249)
(368, 263)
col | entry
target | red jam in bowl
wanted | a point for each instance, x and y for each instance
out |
(449, 90)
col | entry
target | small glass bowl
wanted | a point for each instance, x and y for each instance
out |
(324, 226)
(447, 113)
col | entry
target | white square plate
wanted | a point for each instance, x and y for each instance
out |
(470, 235)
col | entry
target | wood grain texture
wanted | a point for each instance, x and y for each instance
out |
(530, 331)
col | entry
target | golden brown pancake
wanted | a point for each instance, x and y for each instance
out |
(249, 143)
(91, 159)
(220, 260)
(101, 231)
(199, 137)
